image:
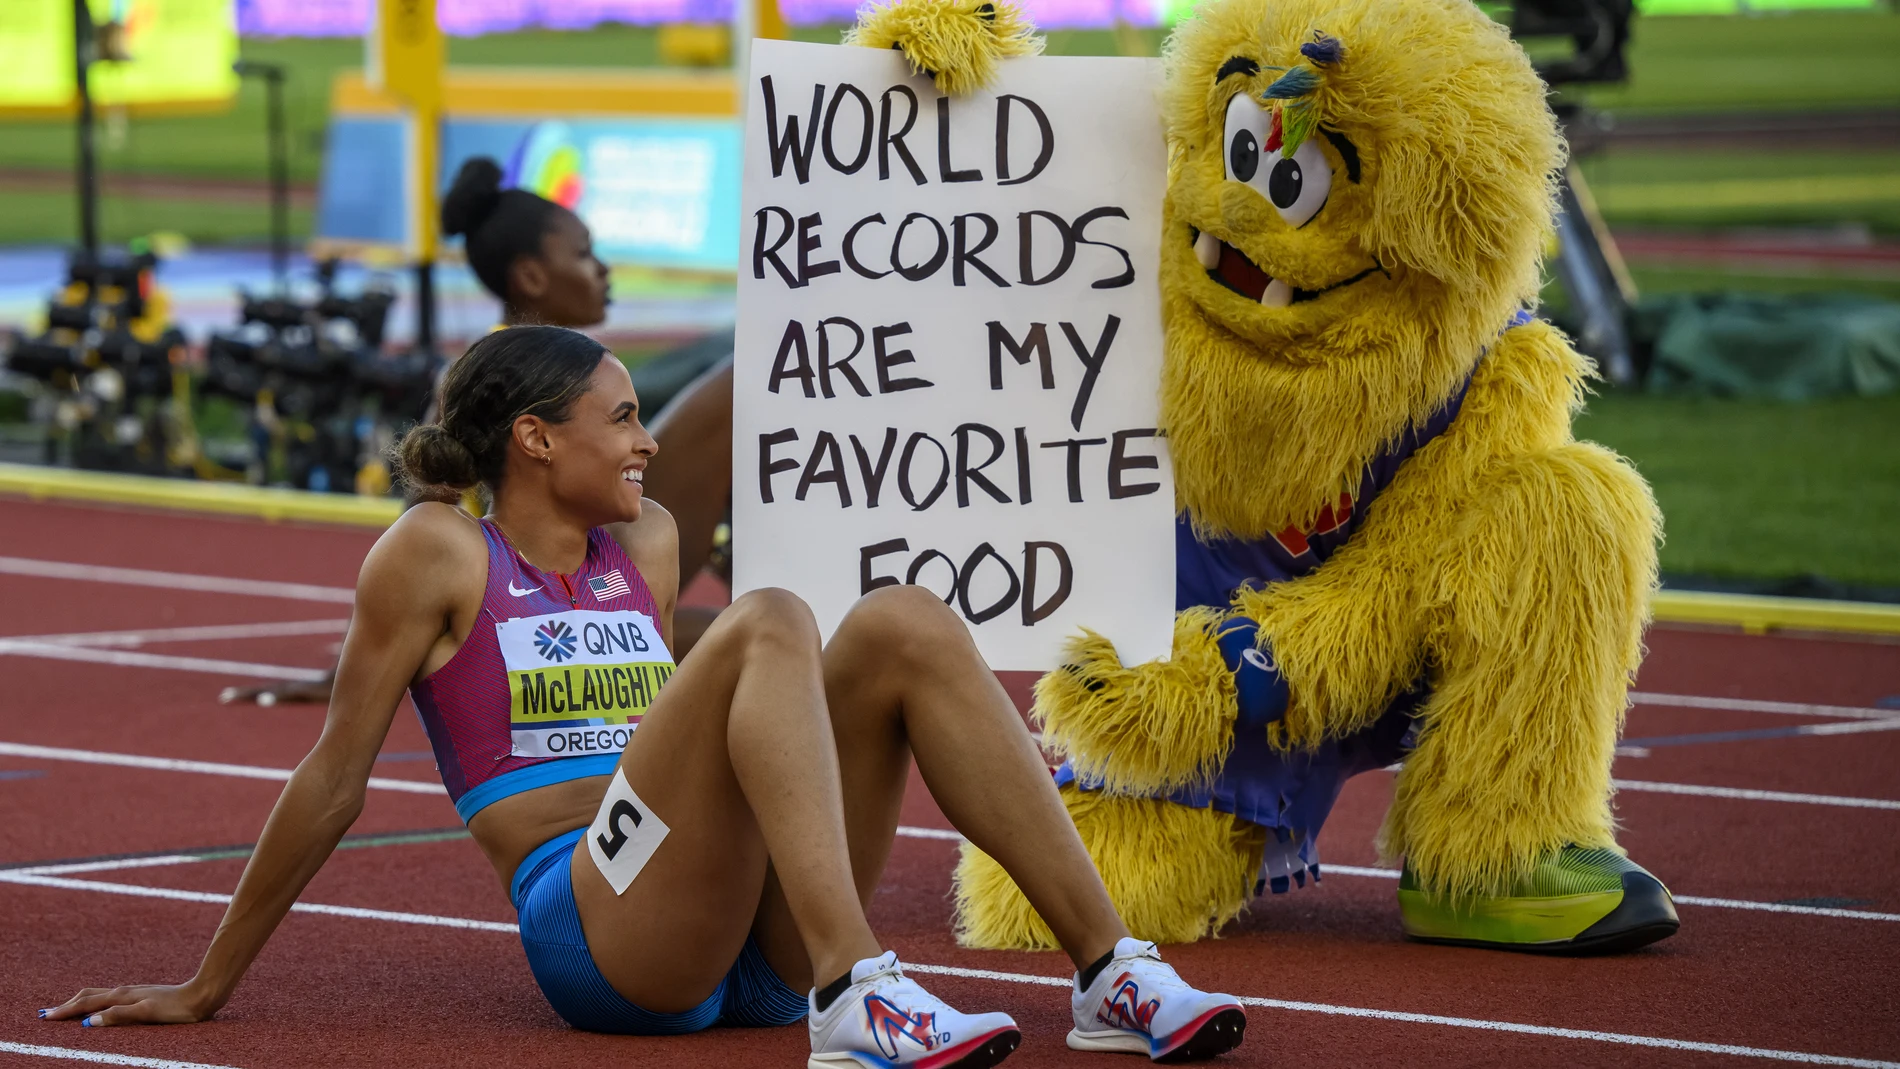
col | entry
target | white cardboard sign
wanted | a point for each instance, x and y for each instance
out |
(949, 346)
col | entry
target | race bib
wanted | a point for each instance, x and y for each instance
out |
(624, 835)
(579, 681)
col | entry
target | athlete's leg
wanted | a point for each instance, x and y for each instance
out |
(736, 757)
(903, 677)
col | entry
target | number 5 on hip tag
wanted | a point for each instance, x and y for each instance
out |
(624, 834)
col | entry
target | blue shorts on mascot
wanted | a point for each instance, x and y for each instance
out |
(1390, 548)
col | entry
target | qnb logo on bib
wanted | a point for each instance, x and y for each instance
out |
(554, 641)
(579, 681)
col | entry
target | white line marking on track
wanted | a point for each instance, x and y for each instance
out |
(1393, 874)
(1621, 1038)
(1753, 795)
(1749, 705)
(130, 658)
(106, 866)
(206, 633)
(141, 891)
(215, 584)
(211, 768)
(947, 834)
(100, 1057)
(1782, 907)
(208, 768)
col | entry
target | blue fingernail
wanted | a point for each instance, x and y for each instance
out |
(88, 1022)
(43, 1014)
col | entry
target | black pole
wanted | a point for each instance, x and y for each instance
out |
(88, 164)
(273, 75)
(425, 307)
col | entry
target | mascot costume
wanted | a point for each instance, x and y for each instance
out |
(1389, 546)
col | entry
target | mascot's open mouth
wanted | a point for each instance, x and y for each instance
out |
(1231, 268)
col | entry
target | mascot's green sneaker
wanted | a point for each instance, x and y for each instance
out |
(1576, 901)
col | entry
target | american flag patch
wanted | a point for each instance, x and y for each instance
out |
(611, 585)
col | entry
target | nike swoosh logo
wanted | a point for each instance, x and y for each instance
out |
(520, 593)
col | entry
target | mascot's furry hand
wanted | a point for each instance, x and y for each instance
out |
(1166, 724)
(958, 43)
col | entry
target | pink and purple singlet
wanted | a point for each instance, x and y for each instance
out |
(553, 677)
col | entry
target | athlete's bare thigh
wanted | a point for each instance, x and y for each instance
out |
(668, 940)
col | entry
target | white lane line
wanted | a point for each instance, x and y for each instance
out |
(168, 764)
(140, 891)
(208, 768)
(1779, 907)
(100, 1057)
(1851, 727)
(1393, 874)
(1753, 795)
(130, 658)
(1749, 705)
(1620, 1038)
(107, 866)
(207, 633)
(946, 834)
(216, 584)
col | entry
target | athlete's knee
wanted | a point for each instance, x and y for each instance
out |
(772, 615)
(905, 622)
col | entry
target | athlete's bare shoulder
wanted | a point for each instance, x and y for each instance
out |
(434, 546)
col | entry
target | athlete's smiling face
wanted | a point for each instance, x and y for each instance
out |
(598, 456)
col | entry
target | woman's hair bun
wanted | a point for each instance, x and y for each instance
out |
(473, 197)
(431, 456)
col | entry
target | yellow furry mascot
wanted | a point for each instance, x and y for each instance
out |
(1390, 547)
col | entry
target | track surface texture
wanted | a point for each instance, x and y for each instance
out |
(403, 951)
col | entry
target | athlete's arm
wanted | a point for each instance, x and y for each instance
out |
(421, 577)
(653, 544)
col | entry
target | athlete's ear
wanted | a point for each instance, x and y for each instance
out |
(532, 439)
(528, 279)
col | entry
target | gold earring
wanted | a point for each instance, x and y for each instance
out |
(547, 458)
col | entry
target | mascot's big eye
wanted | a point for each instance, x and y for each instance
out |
(1246, 130)
(1297, 184)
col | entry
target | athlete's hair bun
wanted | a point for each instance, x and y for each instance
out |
(430, 456)
(473, 198)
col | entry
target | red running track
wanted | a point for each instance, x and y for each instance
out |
(1815, 974)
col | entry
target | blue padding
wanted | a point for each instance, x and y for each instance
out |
(750, 996)
(488, 792)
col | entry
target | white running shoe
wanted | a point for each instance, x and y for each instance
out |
(1137, 1005)
(884, 1020)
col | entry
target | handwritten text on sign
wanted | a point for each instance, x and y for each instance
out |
(949, 344)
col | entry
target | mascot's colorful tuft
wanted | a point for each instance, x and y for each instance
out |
(1389, 545)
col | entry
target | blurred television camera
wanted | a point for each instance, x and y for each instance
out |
(324, 399)
(105, 365)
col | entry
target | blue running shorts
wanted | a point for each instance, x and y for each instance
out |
(750, 996)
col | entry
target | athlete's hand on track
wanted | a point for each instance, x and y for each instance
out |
(144, 1004)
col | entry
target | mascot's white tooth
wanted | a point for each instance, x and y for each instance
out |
(1207, 250)
(1278, 295)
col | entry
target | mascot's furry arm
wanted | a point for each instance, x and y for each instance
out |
(958, 43)
(1512, 562)
(1148, 727)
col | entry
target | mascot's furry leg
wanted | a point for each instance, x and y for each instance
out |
(1176, 874)
(1502, 810)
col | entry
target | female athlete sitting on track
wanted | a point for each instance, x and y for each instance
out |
(537, 258)
(723, 860)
